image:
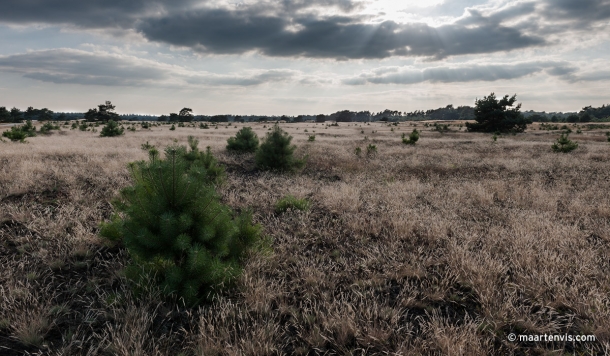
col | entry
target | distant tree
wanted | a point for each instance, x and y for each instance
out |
(573, 118)
(103, 113)
(163, 118)
(186, 115)
(16, 115)
(344, 116)
(173, 117)
(321, 118)
(5, 115)
(493, 115)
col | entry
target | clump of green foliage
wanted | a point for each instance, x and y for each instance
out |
(172, 128)
(311, 138)
(358, 151)
(111, 129)
(176, 230)
(413, 138)
(277, 153)
(203, 126)
(371, 150)
(245, 140)
(20, 133)
(564, 144)
(47, 127)
(493, 115)
(292, 203)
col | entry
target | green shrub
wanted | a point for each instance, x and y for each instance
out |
(413, 138)
(47, 127)
(292, 203)
(20, 133)
(175, 229)
(564, 144)
(111, 129)
(203, 126)
(245, 140)
(358, 151)
(371, 150)
(276, 152)
(172, 128)
(311, 138)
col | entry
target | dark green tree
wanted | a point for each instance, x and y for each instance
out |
(245, 140)
(103, 113)
(5, 115)
(16, 115)
(111, 129)
(493, 115)
(564, 144)
(175, 229)
(276, 152)
(185, 115)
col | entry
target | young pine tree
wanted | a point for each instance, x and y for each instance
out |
(413, 138)
(245, 140)
(111, 129)
(175, 229)
(276, 152)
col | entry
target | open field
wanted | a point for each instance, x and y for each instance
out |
(445, 247)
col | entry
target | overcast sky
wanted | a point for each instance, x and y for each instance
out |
(302, 56)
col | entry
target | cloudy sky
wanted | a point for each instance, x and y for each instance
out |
(302, 56)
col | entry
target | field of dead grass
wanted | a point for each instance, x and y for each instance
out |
(444, 247)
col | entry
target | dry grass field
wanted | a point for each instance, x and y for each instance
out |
(440, 248)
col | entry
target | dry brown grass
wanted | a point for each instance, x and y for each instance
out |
(444, 247)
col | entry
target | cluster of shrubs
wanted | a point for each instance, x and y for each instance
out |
(20, 133)
(275, 152)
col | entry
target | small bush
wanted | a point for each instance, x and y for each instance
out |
(47, 127)
(111, 129)
(358, 151)
(175, 229)
(371, 150)
(413, 138)
(311, 138)
(20, 133)
(172, 128)
(292, 203)
(203, 126)
(245, 140)
(276, 152)
(564, 144)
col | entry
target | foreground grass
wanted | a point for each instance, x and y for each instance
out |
(445, 247)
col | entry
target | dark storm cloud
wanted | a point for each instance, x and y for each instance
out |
(299, 28)
(94, 68)
(465, 73)
(221, 31)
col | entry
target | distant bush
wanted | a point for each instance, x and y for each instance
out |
(47, 127)
(292, 203)
(371, 150)
(276, 152)
(175, 229)
(111, 129)
(20, 133)
(311, 138)
(358, 151)
(245, 140)
(172, 128)
(563, 144)
(203, 126)
(413, 138)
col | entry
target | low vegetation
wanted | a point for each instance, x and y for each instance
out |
(112, 129)
(446, 251)
(564, 144)
(277, 153)
(245, 140)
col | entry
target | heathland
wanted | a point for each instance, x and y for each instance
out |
(445, 246)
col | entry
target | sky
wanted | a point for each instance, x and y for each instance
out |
(275, 57)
